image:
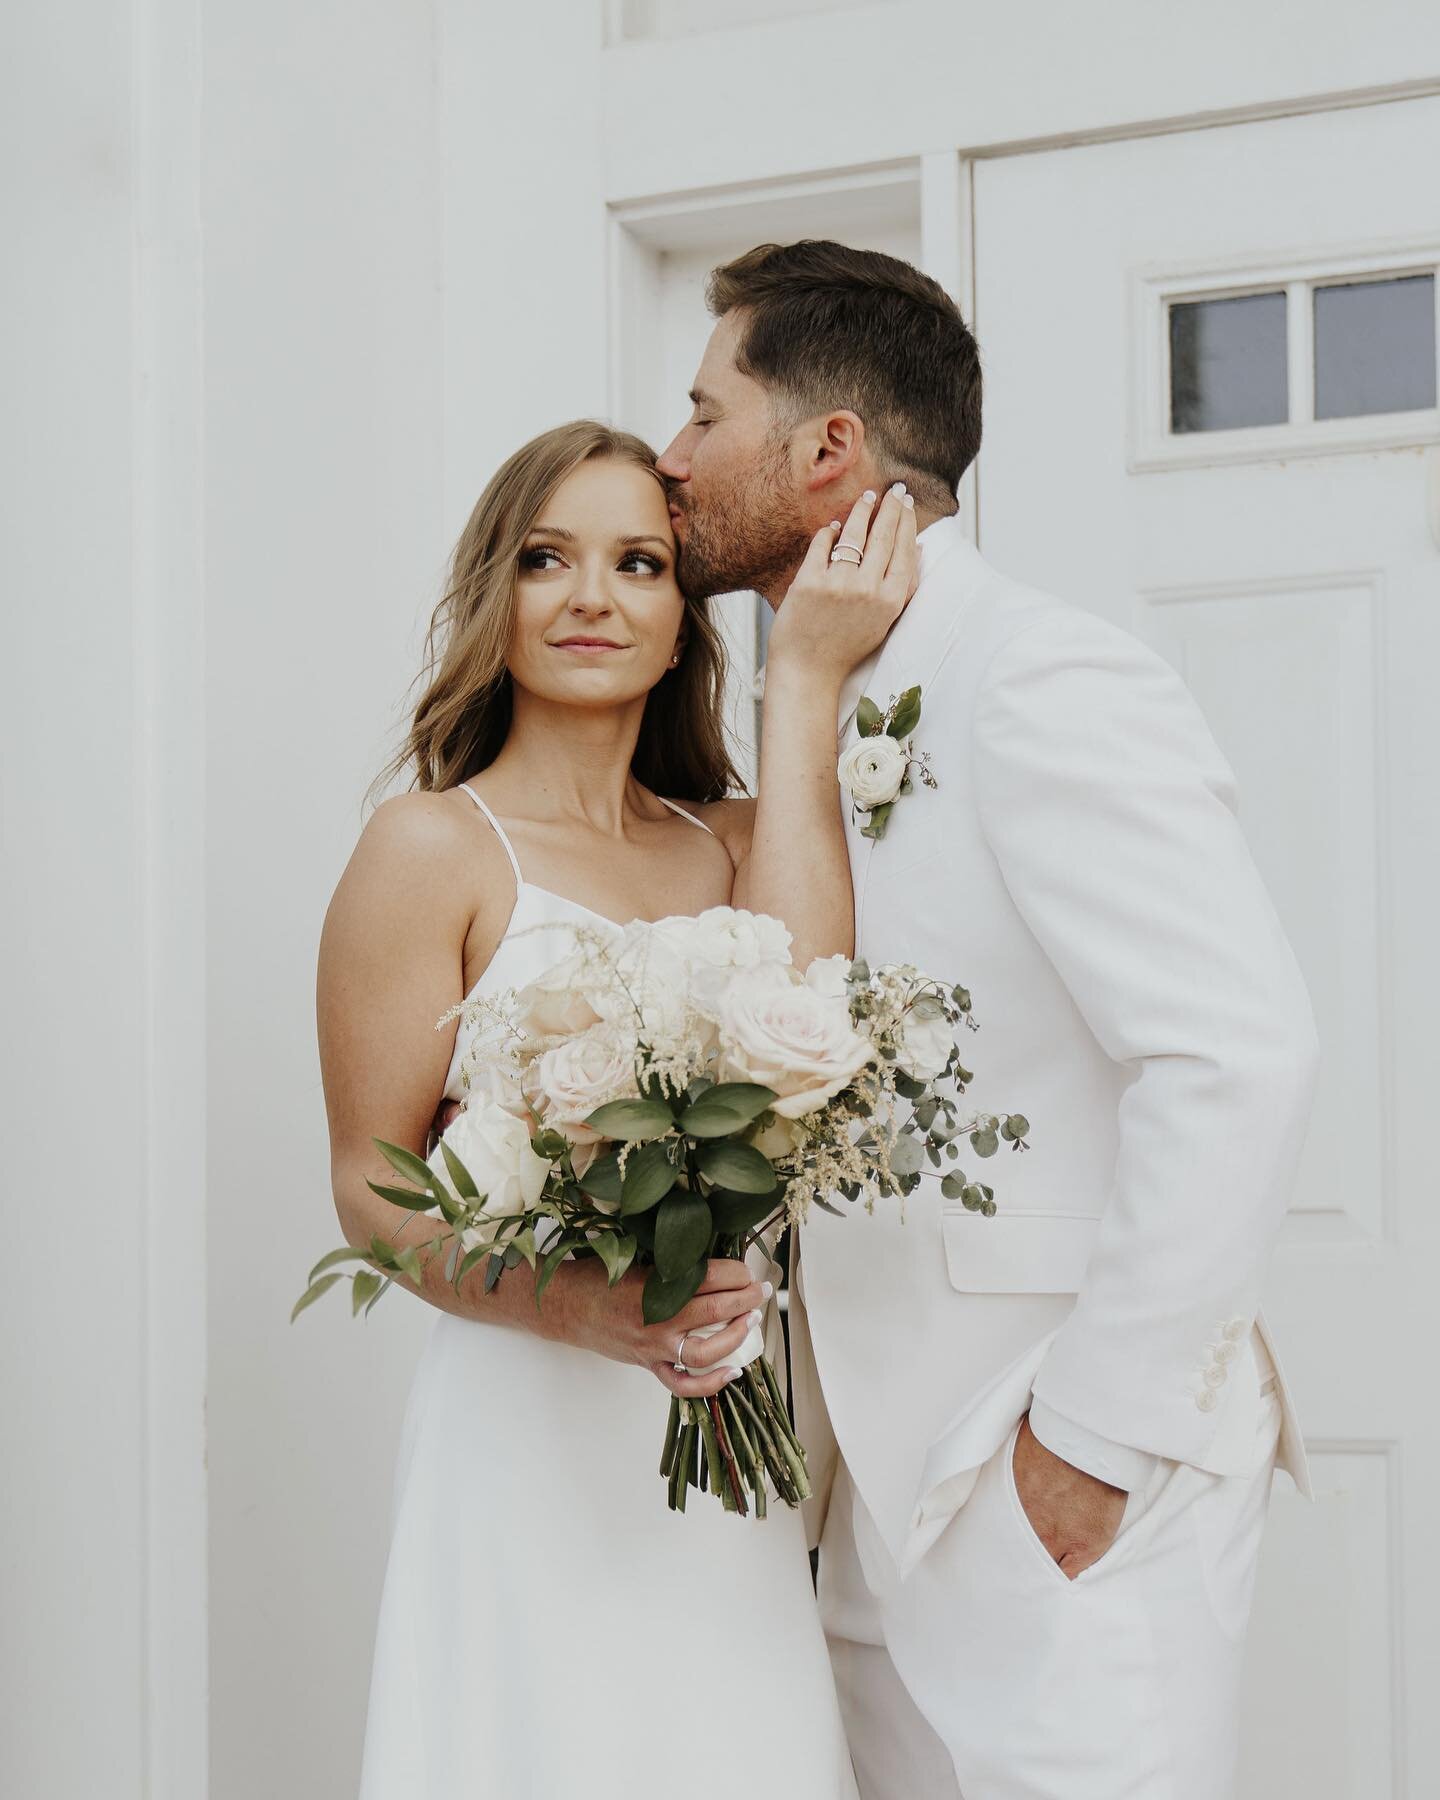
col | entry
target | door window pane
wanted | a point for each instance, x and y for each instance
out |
(1375, 347)
(1228, 363)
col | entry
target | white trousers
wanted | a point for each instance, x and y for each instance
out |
(990, 1675)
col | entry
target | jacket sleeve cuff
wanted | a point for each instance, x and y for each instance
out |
(1119, 1464)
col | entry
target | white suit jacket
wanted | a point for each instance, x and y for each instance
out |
(1080, 869)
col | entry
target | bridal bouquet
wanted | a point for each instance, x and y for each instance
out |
(677, 1091)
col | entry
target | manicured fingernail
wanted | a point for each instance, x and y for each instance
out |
(899, 488)
(834, 524)
(869, 494)
(752, 1318)
(909, 501)
(767, 1289)
(734, 1375)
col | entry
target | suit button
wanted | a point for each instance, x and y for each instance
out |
(1216, 1375)
(1207, 1399)
(1237, 1329)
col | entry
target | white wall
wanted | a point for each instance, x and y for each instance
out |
(325, 540)
(405, 273)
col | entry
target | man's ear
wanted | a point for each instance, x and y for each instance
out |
(835, 449)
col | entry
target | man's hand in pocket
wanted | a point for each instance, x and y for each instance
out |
(1075, 1516)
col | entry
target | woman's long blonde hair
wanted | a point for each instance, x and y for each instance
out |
(464, 713)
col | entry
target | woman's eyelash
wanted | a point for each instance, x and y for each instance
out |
(534, 556)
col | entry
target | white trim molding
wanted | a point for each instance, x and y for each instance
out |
(167, 511)
(1298, 273)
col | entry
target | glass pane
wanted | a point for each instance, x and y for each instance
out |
(1227, 363)
(1375, 347)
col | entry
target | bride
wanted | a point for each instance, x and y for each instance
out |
(548, 1627)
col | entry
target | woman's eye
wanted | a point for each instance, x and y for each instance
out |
(652, 564)
(538, 557)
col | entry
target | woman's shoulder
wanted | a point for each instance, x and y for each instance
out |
(732, 820)
(425, 843)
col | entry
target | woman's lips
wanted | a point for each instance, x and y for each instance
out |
(587, 644)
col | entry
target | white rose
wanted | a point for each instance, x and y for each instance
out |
(649, 990)
(778, 1139)
(569, 1081)
(926, 1040)
(871, 770)
(828, 975)
(791, 1039)
(553, 1005)
(721, 940)
(495, 1148)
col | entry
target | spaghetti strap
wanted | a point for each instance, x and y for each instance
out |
(499, 830)
(683, 814)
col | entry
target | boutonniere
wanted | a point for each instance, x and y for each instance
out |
(883, 763)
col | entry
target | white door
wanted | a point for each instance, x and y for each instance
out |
(1210, 416)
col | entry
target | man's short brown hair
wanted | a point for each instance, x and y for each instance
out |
(828, 326)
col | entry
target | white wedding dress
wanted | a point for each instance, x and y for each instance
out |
(549, 1630)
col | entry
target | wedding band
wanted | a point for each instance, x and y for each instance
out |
(847, 553)
(680, 1368)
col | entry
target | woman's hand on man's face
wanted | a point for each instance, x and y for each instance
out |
(837, 612)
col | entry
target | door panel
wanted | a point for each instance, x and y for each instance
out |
(1294, 580)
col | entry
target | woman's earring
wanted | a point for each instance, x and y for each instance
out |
(675, 660)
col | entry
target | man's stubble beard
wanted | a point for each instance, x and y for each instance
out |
(751, 537)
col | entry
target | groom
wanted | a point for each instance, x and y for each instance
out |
(1043, 1442)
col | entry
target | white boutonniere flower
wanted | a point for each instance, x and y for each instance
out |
(883, 763)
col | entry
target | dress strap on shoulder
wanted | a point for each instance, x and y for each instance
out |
(683, 814)
(499, 830)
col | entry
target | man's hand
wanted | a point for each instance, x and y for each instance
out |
(1074, 1515)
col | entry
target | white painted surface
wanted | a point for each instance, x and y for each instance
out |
(407, 270)
(1298, 597)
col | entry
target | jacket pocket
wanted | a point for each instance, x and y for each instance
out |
(1017, 1253)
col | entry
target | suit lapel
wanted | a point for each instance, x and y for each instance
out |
(910, 656)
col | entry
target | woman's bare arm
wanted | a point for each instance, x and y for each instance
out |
(423, 879)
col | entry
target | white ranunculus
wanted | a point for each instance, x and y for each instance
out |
(495, 1148)
(871, 770)
(718, 942)
(580, 1073)
(927, 1038)
(791, 1039)
(778, 1139)
(554, 1003)
(828, 975)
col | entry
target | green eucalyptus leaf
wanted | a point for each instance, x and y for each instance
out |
(737, 1214)
(602, 1179)
(551, 1263)
(984, 1143)
(523, 1244)
(382, 1251)
(739, 1166)
(683, 1229)
(1015, 1128)
(662, 1299)
(377, 1296)
(406, 1197)
(407, 1163)
(649, 1176)
(494, 1269)
(408, 1262)
(906, 715)
(906, 1155)
(868, 717)
(631, 1120)
(726, 1108)
(952, 1186)
(366, 1286)
(348, 1253)
(616, 1251)
(879, 819)
(459, 1175)
(315, 1290)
